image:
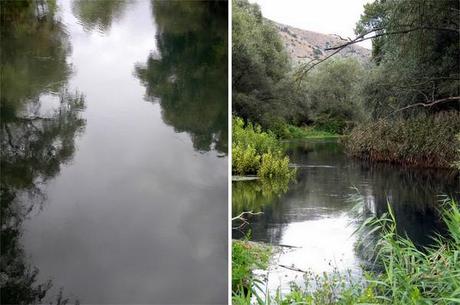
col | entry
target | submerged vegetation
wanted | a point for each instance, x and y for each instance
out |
(408, 274)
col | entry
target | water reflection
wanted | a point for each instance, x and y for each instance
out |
(254, 195)
(99, 15)
(314, 214)
(137, 215)
(188, 73)
(39, 122)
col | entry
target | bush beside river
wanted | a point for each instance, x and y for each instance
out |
(426, 141)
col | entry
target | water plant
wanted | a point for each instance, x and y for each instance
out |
(427, 141)
(407, 274)
(257, 152)
(247, 256)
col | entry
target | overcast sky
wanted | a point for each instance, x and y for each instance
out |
(323, 16)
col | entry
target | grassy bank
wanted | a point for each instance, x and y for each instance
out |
(426, 141)
(246, 257)
(409, 275)
(288, 132)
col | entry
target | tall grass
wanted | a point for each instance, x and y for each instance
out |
(427, 141)
(408, 275)
(246, 257)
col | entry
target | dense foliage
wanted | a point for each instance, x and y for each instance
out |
(256, 152)
(417, 53)
(426, 140)
(263, 89)
(414, 73)
(247, 256)
(415, 77)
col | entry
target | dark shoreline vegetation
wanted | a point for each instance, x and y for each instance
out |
(425, 141)
(402, 106)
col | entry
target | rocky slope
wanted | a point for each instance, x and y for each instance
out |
(303, 45)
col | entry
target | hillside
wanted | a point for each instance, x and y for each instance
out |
(303, 45)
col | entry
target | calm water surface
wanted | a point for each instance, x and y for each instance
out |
(114, 166)
(316, 216)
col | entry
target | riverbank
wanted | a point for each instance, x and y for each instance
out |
(408, 276)
(292, 132)
(421, 142)
(317, 201)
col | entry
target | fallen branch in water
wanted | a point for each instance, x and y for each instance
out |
(239, 217)
(293, 269)
(243, 220)
(287, 246)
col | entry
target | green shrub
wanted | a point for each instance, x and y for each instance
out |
(334, 125)
(275, 165)
(427, 141)
(247, 256)
(262, 141)
(245, 160)
(255, 151)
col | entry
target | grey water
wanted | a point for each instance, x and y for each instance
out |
(315, 215)
(114, 152)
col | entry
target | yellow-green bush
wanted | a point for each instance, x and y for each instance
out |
(255, 151)
(245, 160)
(275, 165)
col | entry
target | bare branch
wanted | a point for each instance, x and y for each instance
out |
(240, 217)
(362, 37)
(447, 99)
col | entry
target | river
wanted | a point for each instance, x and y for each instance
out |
(114, 152)
(315, 217)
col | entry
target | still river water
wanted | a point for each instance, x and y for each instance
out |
(114, 152)
(316, 217)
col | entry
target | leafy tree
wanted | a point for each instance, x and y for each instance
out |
(263, 88)
(417, 51)
(334, 90)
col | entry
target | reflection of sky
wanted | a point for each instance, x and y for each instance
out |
(321, 245)
(138, 215)
(316, 216)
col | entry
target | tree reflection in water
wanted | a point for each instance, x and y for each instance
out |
(98, 15)
(40, 119)
(188, 74)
